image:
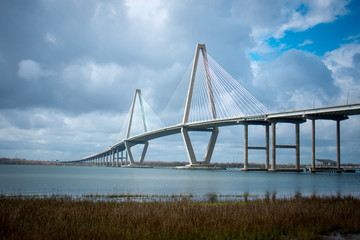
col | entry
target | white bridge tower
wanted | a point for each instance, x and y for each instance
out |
(200, 50)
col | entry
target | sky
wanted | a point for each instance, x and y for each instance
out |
(69, 70)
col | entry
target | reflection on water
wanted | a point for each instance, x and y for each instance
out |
(202, 184)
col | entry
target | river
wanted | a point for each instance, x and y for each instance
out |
(84, 180)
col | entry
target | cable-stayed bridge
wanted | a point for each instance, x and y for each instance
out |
(214, 99)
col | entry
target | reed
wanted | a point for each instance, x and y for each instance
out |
(66, 218)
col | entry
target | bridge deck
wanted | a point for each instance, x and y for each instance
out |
(333, 112)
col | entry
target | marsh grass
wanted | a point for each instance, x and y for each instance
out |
(67, 218)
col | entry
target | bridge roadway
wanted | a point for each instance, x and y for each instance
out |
(337, 113)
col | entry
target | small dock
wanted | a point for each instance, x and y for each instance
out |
(272, 170)
(136, 166)
(200, 167)
(254, 169)
(328, 165)
(286, 170)
(330, 169)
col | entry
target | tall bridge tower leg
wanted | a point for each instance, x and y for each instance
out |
(200, 48)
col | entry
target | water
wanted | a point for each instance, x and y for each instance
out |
(77, 181)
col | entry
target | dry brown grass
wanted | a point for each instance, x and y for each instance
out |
(64, 218)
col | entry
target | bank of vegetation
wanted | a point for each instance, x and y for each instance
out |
(61, 217)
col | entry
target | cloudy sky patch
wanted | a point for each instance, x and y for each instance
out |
(69, 69)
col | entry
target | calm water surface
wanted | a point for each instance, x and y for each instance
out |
(76, 181)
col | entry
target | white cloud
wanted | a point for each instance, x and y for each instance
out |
(50, 38)
(352, 37)
(29, 69)
(344, 64)
(342, 57)
(280, 16)
(306, 42)
(310, 13)
(293, 80)
(59, 133)
(151, 14)
(92, 74)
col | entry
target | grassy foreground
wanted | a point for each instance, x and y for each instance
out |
(65, 218)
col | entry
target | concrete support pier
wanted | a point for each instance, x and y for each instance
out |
(338, 145)
(296, 146)
(246, 144)
(247, 147)
(267, 142)
(313, 143)
(128, 146)
(313, 140)
(273, 147)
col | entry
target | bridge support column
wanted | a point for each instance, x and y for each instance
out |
(188, 146)
(267, 150)
(338, 156)
(128, 146)
(110, 159)
(338, 145)
(246, 144)
(273, 146)
(297, 146)
(117, 158)
(247, 147)
(209, 150)
(313, 143)
(126, 158)
(122, 158)
(113, 158)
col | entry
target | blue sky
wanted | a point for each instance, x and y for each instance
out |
(69, 69)
(323, 37)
